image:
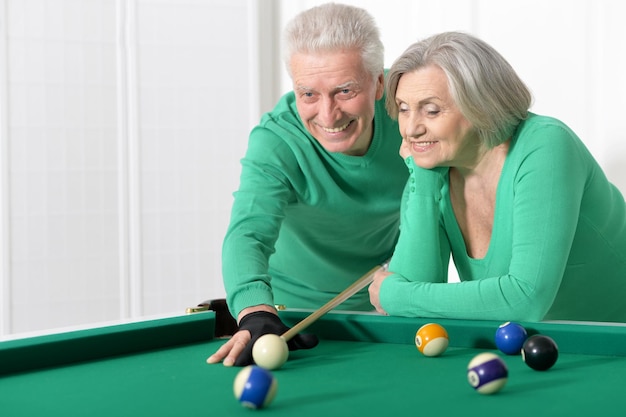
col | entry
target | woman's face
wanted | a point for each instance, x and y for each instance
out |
(434, 131)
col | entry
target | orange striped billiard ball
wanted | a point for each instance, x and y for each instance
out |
(431, 339)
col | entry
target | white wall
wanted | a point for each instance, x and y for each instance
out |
(122, 123)
(122, 126)
(569, 52)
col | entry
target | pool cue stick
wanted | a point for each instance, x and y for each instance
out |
(355, 287)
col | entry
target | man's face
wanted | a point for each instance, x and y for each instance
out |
(335, 97)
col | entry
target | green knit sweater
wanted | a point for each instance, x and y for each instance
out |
(558, 245)
(306, 223)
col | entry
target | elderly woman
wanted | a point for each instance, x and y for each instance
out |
(535, 229)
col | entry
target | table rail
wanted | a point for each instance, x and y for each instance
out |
(47, 351)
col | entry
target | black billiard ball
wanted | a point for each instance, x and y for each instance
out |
(540, 352)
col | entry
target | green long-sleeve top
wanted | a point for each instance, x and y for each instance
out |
(558, 244)
(306, 223)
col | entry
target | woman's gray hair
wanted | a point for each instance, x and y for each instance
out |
(333, 27)
(483, 85)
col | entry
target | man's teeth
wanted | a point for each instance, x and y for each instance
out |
(336, 129)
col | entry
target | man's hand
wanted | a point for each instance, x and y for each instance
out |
(238, 350)
(230, 350)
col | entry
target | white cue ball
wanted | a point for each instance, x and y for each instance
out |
(270, 351)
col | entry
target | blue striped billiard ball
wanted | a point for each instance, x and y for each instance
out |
(255, 387)
(487, 373)
(510, 338)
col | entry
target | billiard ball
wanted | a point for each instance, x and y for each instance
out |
(510, 338)
(270, 351)
(540, 352)
(255, 387)
(431, 339)
(487, 373)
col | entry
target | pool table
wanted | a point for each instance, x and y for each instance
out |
(364, 365)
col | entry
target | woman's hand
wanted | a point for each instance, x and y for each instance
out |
(405, 150)
(374, 289)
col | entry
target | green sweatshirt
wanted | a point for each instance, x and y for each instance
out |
(558, 245)
(306, 223)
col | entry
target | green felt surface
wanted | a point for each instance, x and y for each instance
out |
(356, 377)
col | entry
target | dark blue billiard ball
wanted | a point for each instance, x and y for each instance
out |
(510, 338)
(487, 373)
(255, 387)
(540, 352)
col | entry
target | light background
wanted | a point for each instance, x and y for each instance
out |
(122, 123)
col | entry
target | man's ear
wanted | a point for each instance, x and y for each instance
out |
(380, 86)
